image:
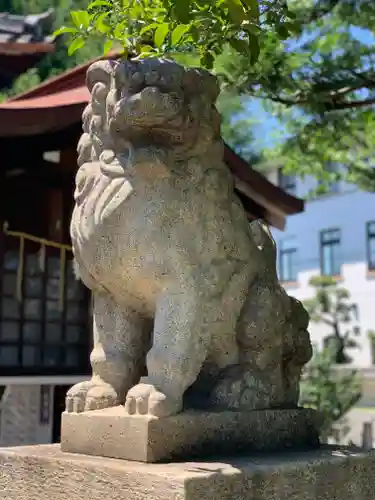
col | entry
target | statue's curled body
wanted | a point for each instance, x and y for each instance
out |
(187, 306)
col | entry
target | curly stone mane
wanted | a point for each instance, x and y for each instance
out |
(158, 103)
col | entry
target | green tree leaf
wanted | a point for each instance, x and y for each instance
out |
(179, 32)
(99, 3)
(76, 44)
(182, 11)
(148, 27)
(240, 45)
(63, 30)
(107, 46)
(100, 24)
(120, 30)
(282, 31)
(254, 48)
(145, 51)
(236, 11)
(80, 18)
(160, 34)
(207, 60)
(254, 8)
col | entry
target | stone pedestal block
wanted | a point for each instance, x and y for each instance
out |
(114, 434)
(44, 473)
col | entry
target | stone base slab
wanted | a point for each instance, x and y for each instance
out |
(44, 473)
(114, 434)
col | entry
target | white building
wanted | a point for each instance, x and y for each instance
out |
(335, 236)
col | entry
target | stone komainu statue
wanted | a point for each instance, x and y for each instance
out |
(188, 311)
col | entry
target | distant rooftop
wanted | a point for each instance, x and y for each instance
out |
(33, 28)
(24, 40)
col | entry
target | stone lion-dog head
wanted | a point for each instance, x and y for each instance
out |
(154, 115)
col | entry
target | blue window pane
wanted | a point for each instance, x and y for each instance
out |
(331, 263)
(288, 267)
(330, 252)
(336, 261)
(327, 260)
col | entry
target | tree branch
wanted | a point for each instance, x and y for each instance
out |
(364, 77)
(332, 105)
(330, 93)
(350, 104)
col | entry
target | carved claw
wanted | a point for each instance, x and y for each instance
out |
(76, 397)
(90, 395)
(145, 399)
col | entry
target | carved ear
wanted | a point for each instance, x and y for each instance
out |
(263, 237)
(198, 81)
(265, 243)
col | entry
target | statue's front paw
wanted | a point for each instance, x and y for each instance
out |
(90, 395)
(76, 397)
(145, 399)
(100, 397)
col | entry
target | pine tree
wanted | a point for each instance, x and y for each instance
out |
(325, 387)
(332, 307)
(331, 391)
